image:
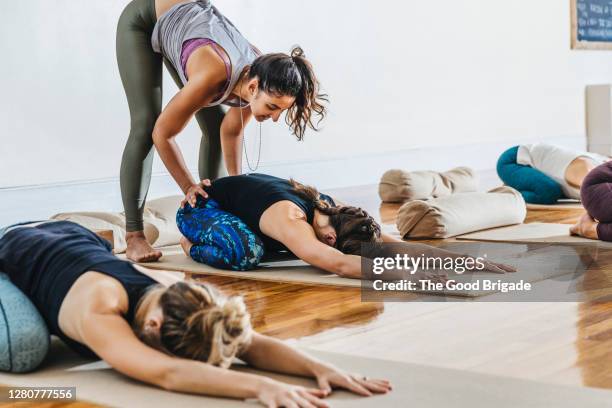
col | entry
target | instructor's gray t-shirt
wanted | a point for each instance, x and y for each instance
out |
(200, 19)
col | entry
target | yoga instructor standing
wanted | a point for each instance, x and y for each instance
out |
(213, 64)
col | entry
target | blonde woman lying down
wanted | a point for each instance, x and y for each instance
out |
(148, 325)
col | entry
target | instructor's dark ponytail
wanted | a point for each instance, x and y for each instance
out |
(292, 75)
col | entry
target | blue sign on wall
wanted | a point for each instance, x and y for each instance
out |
(594, 20)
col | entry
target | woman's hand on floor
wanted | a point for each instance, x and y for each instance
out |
(191, 196)
(430, 276)
(331, 377)
(496, 267)
(275, 394)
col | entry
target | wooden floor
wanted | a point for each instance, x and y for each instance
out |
(561, 342)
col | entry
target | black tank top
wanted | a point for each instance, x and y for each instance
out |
(44, 262)
(247, 196)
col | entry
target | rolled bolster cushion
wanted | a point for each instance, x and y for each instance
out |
(459, 214)
(24, 337)
(535, 186)
(398, 186)
(158, 216)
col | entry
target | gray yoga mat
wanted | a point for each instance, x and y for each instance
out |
(413, 386)
(533, 264)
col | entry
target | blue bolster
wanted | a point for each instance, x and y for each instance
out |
(535, 186)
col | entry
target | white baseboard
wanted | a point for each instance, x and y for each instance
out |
(40, 202)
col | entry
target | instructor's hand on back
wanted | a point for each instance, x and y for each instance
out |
(191, 195)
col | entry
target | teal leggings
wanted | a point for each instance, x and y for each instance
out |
(141, 74)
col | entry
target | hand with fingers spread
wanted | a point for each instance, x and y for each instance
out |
(191, 195)
(331, 377)
(482, 265)
(430, 276)
(497, 267)
(275, 394)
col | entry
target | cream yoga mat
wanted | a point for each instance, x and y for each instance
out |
(560, 205)
(531, 265)
(413, 386)
(536, 232)
(287, 271)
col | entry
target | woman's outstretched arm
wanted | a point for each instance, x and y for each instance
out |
(113, 340)
(271, 354)
(299, 237)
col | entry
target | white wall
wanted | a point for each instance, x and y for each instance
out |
(401, 75)
(432, 73)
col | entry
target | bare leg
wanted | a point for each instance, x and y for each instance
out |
(585, 227)
(578, 169)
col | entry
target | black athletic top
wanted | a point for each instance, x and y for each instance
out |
(44, 262)
(247, 196)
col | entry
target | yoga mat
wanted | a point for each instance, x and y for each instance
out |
(536, 232)
(560, 205)
(532, 266)
(287, 271)
(413, 386)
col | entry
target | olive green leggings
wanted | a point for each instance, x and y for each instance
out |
(141, 74)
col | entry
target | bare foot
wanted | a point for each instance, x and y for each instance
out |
(575, 229)
(139, 250)
(186, 245)
(585, 227)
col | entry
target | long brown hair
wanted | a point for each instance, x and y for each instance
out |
(198, 323)
(353, 225)
(292, 75)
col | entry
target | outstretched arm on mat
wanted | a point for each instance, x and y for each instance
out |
(299, 237)
(262, 353)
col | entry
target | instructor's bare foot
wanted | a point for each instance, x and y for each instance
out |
(585, 227)
(139, 249)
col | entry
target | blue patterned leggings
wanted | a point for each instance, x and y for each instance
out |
(219, 238)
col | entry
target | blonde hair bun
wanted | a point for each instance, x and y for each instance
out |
(202, 324)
